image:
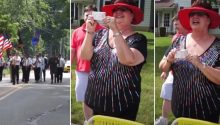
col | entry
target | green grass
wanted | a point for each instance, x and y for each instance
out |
(161, 44)
(146, 108)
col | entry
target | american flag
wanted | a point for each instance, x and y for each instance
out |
(7, 44)
(4, 44)
(1, 45)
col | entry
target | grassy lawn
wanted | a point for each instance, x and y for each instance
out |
(161, 44)
(146, 108)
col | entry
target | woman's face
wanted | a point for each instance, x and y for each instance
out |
(123, 16)
(199, 20)
(86, 15)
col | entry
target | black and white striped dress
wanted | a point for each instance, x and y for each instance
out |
(113, 87)
(194, 95)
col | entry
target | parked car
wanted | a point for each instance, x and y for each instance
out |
(67, 66)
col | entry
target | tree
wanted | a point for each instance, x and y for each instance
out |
(22, 18)
(21, 12)
(8, 26)
(59, 25)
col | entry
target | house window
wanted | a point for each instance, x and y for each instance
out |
(74, 11)
(140, 4)
(107, 2)
(156, 19)
(166, 19)
(192, 1)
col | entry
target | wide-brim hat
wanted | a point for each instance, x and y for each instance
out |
(138, 15)
(184, 18)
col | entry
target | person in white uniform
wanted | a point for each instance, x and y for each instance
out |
(15, 63)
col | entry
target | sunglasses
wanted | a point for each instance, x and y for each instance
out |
(123, 9)
(198, 13)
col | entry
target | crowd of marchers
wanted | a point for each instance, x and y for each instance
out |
(38, 63)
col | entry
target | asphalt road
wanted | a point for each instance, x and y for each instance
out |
(35, 103)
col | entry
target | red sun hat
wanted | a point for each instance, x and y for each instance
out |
(184, 18)
(138, 15)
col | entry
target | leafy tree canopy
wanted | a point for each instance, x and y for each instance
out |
(23, 18)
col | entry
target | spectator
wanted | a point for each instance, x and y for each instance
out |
(196, 90)
(117, 55)
(82, 66)
(167, 87)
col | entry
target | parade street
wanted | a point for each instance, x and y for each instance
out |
(33, 103)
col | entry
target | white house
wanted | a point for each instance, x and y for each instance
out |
(147, 7)
(166, 9)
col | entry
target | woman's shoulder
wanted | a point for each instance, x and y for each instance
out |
(217, 39)
(217, 43)
(137, 37)
(140, 35)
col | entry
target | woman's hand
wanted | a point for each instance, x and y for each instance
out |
(194, 59)
(90, 24)
(163, 75)
(211, 73)
(171, 55)
(86, 50)
(166, 61)
(110, 22)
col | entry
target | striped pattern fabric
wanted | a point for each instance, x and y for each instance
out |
(194, 95)
(7, 44)
(4, 44)
(113, 87)
(1, 45)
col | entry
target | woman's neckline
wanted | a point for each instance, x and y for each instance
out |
(207, 48)
(122, 36)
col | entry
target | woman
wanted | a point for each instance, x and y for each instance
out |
(167, 86)
(117, 55)
(196, 83)
(82, 66)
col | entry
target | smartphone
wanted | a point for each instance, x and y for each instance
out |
(181, 54)
(98, 15)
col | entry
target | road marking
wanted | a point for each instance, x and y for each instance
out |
(49, 85)
(15, 88)
(9, 92)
